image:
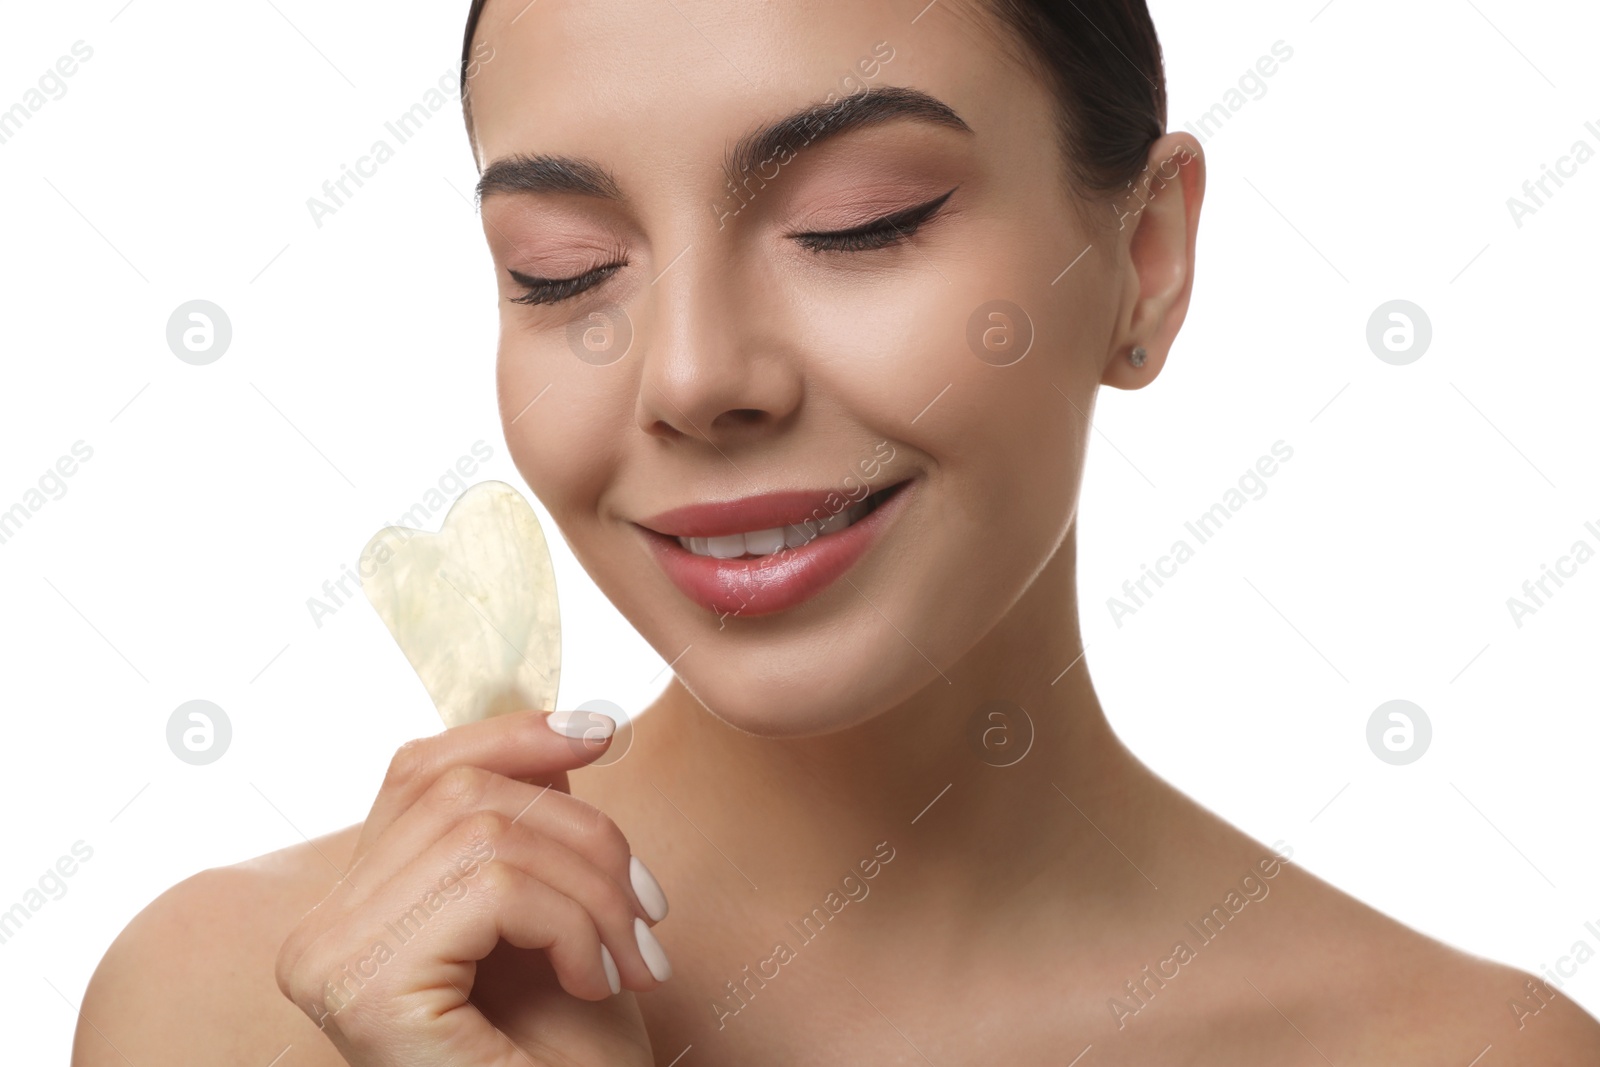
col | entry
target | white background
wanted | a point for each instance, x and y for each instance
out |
(218, 499)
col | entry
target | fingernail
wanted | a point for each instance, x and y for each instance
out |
(613, 979)
(582, 725)
(647, 889)
(655, 957)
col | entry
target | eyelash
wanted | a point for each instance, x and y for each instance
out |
(879, 233)
(555, 290)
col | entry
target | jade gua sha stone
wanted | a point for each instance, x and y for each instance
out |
(473, 607)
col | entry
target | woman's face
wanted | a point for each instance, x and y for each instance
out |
(723, 350)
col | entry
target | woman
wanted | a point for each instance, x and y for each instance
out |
(821, 294)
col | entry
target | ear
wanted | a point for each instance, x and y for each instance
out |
(1159, 215)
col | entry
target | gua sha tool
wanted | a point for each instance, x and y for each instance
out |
(473, 607)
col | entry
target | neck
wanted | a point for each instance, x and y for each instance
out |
(979, 783)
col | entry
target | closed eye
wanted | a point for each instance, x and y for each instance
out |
(879, 233)
(555, 290)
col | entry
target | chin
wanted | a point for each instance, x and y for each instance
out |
(788, 694)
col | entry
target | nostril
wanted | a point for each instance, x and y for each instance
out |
(742, 416)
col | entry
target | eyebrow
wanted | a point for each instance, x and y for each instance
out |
(539, 173)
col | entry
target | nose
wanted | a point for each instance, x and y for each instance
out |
(716, 366)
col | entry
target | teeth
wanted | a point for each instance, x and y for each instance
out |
(766, 542)
(763, 542)
(797, 536)
(835, 523)
(729, 547)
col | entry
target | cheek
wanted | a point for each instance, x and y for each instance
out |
(559, 420)
(998, 444)
(982, 367)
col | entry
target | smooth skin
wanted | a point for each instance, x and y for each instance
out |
(791, 749)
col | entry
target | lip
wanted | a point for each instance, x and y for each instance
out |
(765, 512)
(768, 584)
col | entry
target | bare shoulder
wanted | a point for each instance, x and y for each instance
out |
(190, 979)
(1522, 1018)
(1450, 1001)
(1361, 988)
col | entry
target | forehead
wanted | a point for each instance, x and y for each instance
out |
(642, 83)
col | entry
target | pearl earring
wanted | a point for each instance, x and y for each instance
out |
(1136, 357)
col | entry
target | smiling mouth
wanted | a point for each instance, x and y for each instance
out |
(754, 544)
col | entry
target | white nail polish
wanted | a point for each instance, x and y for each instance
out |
(655, 957)
(647, 889)
(613, 979)
(581, 725)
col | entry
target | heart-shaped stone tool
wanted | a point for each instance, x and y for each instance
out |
(473, 607)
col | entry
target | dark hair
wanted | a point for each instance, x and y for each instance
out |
(1100, 57)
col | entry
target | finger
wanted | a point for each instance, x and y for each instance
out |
(464, 790)
(458, 795)
(611, 910)
(522, 745)
(474, 886)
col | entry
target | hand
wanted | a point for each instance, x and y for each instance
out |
(473, 916)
